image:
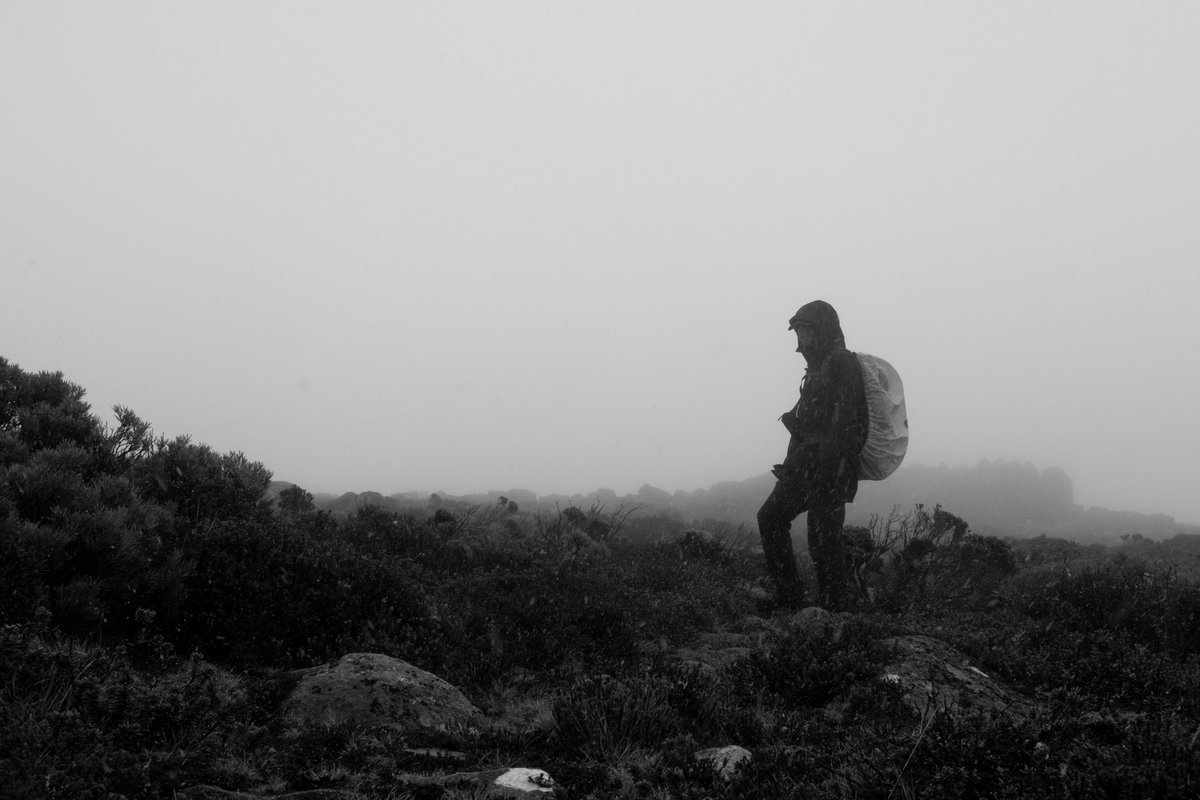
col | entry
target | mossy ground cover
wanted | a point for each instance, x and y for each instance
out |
(154, 603)
(580, 638)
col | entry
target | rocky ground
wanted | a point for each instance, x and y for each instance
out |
(382, 696)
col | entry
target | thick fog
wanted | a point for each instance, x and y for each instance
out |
(554, 246)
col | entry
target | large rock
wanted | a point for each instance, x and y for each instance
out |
(378, 690)
(935, 676)
(725, 760)
(514, 782)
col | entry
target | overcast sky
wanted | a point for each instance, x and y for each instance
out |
(549, 245)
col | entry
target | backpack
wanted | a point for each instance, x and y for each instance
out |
(887, 438)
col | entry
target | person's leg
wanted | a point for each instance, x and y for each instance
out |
(828, 552)
(788, 500)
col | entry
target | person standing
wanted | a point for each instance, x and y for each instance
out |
(819, 474)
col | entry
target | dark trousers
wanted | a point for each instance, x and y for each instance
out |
(791, 498)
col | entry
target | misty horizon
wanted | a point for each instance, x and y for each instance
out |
(866, 500)
(457, 246)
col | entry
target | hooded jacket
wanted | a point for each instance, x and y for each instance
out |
(829, 423)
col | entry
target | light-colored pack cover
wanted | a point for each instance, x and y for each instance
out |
(887, 439)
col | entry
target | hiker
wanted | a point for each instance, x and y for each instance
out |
(828, 428)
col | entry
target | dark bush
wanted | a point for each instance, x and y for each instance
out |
(200, 485)
(807, 669)
(276, 594)
(600, 715)
(704, 546)
(22, 565)
(921, 558)
(89, 550)
(80, 722)
(1147, 602)
(536, 618)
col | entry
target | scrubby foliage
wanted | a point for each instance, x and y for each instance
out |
(811, 670)
(78, 539)
(1145, 601)
(153, 602)
(915, 558)
(81, 721)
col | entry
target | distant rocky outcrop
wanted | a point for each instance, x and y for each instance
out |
(350, 502)
(377, 690)
(654, 495)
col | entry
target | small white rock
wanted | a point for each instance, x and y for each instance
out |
(524, 779)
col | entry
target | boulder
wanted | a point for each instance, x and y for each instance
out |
(377, 690)
(490, 783)
(933, 675)
(717, 651)
(724, 760)
(814, 621)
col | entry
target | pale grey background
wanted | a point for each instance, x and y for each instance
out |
(470, 246)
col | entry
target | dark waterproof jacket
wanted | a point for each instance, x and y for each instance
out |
(829, 423)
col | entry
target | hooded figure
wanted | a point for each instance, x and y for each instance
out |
(828, 427)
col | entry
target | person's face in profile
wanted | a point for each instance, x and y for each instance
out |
(806, 338)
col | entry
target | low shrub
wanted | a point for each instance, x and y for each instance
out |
(595, 603)
(921, 558)
(602, 717)
(700, 545)
(537, 618)
(806, 669)
(1147, 602)
(83, 722)
(279, 595)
